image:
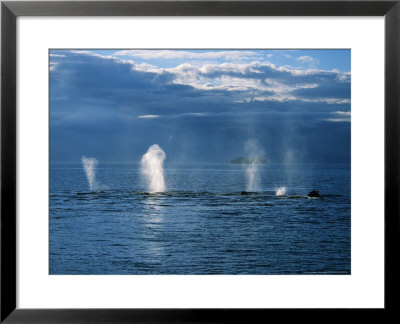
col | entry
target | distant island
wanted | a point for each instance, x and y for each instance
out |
(243, 160)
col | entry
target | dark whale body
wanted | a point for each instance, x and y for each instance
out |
(244, 193)
(314, 194)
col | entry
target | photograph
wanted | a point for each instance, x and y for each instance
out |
(199, 161)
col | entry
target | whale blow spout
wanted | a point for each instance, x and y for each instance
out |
(254, 157)
(280, 191)
(152, 168)
(89, 165)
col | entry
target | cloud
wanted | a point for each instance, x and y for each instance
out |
(245, 82)
(265, 80)
(305, 59)
(343, 77)
(338, 120)
(106, 57)
(343, 113)
(283, 97)
(261, 80)
(195, 114)
(149, 116)
(207, 109)
(180, 54)
(343, 117)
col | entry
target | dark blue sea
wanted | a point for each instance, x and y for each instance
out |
(202, 223)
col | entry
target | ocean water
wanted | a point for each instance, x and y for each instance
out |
(202, 223)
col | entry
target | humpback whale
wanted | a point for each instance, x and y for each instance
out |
(314, 194)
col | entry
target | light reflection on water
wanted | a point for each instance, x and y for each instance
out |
(153, 221)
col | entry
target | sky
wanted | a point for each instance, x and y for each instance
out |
(200, 105)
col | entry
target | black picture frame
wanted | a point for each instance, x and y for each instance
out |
(10, 10)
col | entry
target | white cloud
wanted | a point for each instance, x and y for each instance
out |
(247, 77)
(343, 113)
(106, 57)
(52, 66)
(144, 67)
(276, 97)
(179, 54)
(336, 101)
(281, 97)
(149, 116)
(338, 120)
(195, 114)
(58, 55)
(253, 81)
(227, 83)
(344, 116)
(343, 77)
(305, 59)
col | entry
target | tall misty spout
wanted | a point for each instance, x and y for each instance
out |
(89, 165)
(152, 168)
(254, 152)
(252, 177)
